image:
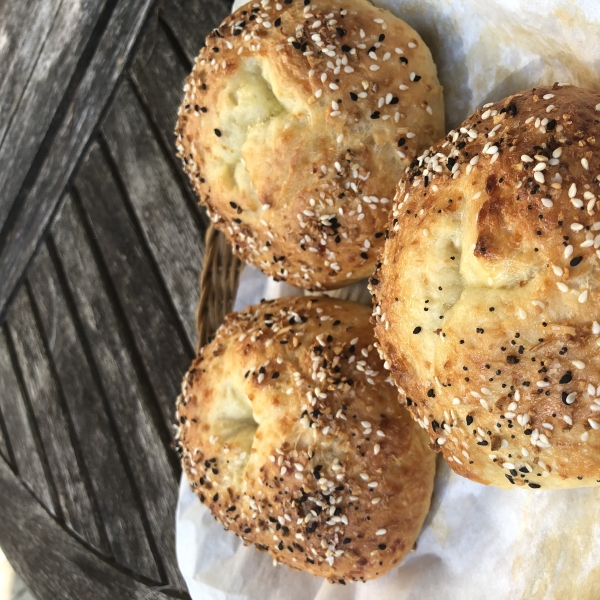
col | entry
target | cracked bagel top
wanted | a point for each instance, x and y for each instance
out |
(298, 120)
(292, 434)
(487, 299)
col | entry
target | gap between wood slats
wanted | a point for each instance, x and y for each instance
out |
(91, 101)
(198, 213)
(165, 434)
(31, 461)
(163, 212)
(154, 322)
(191, 21)
(5, 449)
(189, 347)
(54, 423)
(144, 561)
(52, 563)
(158, 81)
(122, 379)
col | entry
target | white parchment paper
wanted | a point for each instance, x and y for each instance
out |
(478, 542)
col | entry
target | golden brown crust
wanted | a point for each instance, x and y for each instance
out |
(487, 298)
(296, 126)
(292, 434)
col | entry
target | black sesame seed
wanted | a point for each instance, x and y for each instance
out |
(218, 132)
(341, 32)
(550, 125)
(535, 485)
(404, 60)
(416, 330)
(512, 360)
(277, 22)
(469, 419)
(576, 261)
(346, 48)
(375, 115)
(417, 78)
(431, 393)
(566, 378)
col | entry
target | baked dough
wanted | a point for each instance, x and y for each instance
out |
(292, 434)
(487, 299)
(298, 121)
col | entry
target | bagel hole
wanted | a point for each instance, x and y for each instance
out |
(235, 424)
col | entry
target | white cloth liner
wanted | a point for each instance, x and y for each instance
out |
(477, 542)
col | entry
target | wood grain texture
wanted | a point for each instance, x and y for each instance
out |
(124, 383)
(191, 21)
(19, 53)
(53, 423)
(4, 451)
(164, 214)
(24, 446)
(90, 97)
(94, 425)
(62, 49)
(158, 72)
(158, 335)
(53, 564)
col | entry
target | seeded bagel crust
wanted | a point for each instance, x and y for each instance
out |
(487, 299)
(298, 121)
(292, 434)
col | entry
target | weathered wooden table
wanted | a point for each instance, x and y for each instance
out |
(101, 244)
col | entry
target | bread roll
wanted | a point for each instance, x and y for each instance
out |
(292, 434)
(487, 298)
(298, 121)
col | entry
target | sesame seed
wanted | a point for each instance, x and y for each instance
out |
(585, 164)
(594, 424)
(583, 297)
(381, 532)
(563, 287)
(578, 364)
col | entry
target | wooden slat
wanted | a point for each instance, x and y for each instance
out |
(123, 380)
(158, 335)
(191, 21)
(53, 564)
(16, 418)
(90, 97)
(158, 72)
(164, 213)
(95, 429)
(53, 424)
(19, 53)
(70, 32)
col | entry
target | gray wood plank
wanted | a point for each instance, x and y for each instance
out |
(162, 209)
(53, 423)
(158, 334)
(89, 100)
(16, 418)
(53, 564)
(49, 80)
(119, 509)
(123, 381)
(19, 53)
(160, 75)
(158, 72)
(191, 21)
